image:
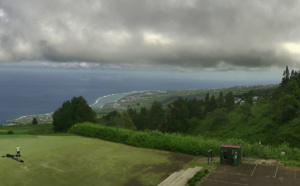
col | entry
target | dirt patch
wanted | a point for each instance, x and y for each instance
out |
(134, 182)
(260, 161)
(180, 157)
(176, 162)
(45, 165)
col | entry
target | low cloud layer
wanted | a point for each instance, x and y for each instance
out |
(183, 35)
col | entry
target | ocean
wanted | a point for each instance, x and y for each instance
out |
(38, 90)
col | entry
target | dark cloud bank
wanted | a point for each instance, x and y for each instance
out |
(184, 35)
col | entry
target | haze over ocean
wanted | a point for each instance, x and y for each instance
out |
(38, 90)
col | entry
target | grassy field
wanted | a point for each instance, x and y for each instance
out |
(73, 160)
(27, 129)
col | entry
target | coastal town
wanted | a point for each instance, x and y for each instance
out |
(41, 118)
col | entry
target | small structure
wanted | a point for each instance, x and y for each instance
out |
(209, 154)
(231, 154)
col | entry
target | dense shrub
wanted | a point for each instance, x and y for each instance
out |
(198, 177)
(193, 145)
(10, 132)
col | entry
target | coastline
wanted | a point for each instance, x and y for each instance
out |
(42, 118)
(47, 117)
(111, 98)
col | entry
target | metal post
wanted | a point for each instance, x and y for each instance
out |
(207, 157)
(210, 151)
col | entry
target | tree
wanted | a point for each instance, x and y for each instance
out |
(249, 96)
(142, 119)
(229, 101)
(212, 104)
(133, 115)
(219, 118)
(75, 111)
(178, 115)
(245, 111)
(221, 100)
(195, 108)
(121, 120)
(34, 121)
(285, 76)
(157, 116)
(286, 108)
(206, 101)
(110, 115)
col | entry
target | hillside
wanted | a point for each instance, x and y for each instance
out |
(258, 114)
(146, 99)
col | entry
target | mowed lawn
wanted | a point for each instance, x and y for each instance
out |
(74, 160)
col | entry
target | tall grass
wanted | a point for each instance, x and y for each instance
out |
(193, 145)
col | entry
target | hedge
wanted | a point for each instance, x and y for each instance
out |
(193, 145)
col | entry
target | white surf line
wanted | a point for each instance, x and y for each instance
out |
(254, 170)
(276, 172)
(227, 182)
(232, 173)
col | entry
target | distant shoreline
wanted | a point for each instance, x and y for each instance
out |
(42, 118)
(111, 101)
(47, 117)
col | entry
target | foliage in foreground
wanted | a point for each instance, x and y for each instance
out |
(198, 177)
(193, 145)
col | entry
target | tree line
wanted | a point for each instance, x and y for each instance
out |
(274, 118)
(175, 117)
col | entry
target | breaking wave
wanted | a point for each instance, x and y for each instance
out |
(111, 98)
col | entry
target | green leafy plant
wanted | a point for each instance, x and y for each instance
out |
(198, 177)
(10, 132)
(193, 145)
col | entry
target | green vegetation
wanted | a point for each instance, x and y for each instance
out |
(290, 163)
(193, 145)
(198, 177)
(71, 112)
(28, 129)
(269, 115)
(34, 121)
(74, 160)
(10, 132)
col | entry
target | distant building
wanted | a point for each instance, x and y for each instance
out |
(237, 100)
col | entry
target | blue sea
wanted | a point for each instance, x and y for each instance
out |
(38, 90)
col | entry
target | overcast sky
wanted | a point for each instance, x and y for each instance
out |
(174, 34)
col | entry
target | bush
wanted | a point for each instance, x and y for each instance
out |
(198, 177)
(10, 132)
(193, 145)
(34, 121)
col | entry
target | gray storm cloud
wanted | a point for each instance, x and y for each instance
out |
(190, 34)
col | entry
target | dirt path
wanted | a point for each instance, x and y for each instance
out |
(180, 178)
